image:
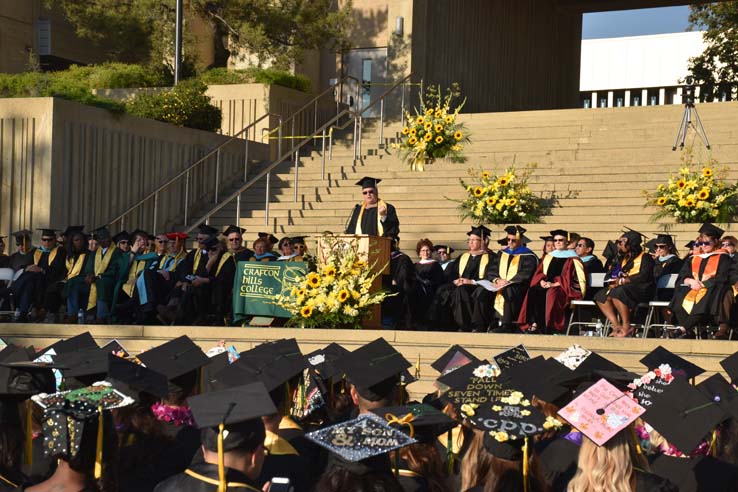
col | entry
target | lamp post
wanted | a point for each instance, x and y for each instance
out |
(178, 43)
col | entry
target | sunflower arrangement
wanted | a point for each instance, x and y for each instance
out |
(695, 193)
(501, 199)
(433, 131)
(337, 294)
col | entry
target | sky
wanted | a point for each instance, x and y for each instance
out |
(635, 22)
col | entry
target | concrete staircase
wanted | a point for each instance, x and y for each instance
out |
(596, 161)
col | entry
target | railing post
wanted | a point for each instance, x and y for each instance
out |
(266, 204)
(246, 160)
(381, 121)
(330, 143)
(361, 125)
(156, 205)
(187, 196)
(238, 210)
(297, 163)
(315, 118)
(322, 155)
(402, 105)
(279, 141)
(356, 129)
(217, 174)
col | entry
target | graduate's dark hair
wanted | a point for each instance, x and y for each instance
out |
(340, 479)
(69, 244)
(11, 444)
(588, 242)
(424, 459)
(84, 461)
(423, 242)
(139, 421)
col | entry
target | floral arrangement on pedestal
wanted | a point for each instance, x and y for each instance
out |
(433, 131)
(502, 198)
(337, 294)
(695, 193)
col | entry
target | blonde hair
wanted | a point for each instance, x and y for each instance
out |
(607, 468)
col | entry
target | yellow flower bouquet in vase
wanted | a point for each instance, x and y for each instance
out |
(336, 295)
(432, 131)
(695, 193)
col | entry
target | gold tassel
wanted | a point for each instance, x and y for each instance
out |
(29, 433)
(99, 448)
(417, 367)
(450, 452)
(287, 400)
(221, 460)
(713, 443)
(525, 465)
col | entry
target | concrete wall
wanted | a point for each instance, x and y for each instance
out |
(65, 163)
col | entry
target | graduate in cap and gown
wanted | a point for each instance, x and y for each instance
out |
(105, 273)
(511, 271)
(75, 290)
(4, 258)
(235, 243)
(155, 284)
(629, 282)
(429, 277)
(559, 278)
(707, 278)
(24, 251)
(373, 216)
(232, 440)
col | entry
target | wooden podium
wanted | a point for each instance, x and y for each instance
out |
(377, 250)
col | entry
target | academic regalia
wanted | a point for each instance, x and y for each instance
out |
(649, 482)
(517, 266)
(370, 223)
(203, 477)
(397, 309)
(429, 277)
(19, 261)
(283, 457)
(547, 307)
(592, 264)
(153, 287)
(267, 256)
(559, 457)
(640, 286)
(109, 270)
(74, 284)
(666, 266)
(715, 271)
(222, 285)
(40, 288)
(193, 264)
(244, 255)
(697, 474)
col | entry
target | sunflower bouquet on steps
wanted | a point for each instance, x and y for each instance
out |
(336, 295)
(432, 131)
(695, 193)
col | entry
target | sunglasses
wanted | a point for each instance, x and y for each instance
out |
(580, 246)
(727, 245)
(234, 239)
(160, 241)
(122, 242)
(47, 239)
(702, 243)
(661, 246)
(559, 240)
(368, 192)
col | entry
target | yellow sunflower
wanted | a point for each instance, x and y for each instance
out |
(681, 184)
(707, 172)
(485, 175)
(428, 112)
(329, 271)
(313, 280)
(689, 203)
(428, 126)
(412, 140)
(428, 137)
(503, 181)
(491, 201)
(449, 119)
(343, 295)
(439, 128)
(438, 113)
(458, 135)
(306, 311)
(301, 292)
(413, 132)
(405, 131)
(420, 120)
(478, 191)
(511, 202)
(661, 201)
(439, 139)
(703, 194)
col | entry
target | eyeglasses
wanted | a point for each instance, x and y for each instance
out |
(47, 239)
(368, 192)
(661, 246)
(727, 245)
(234, 239)
(580, 245)
(559, 240)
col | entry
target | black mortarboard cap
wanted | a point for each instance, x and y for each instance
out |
(298, 239)
(48, 233)
(683, 415)
(502, 241)
(78, 342)
(443, 246)
(72, 230)
(269, 237)
(101, 233)
(137, 376)
(22, 378)
(175, 357)
(121, 236)
(610, 251)
(272, 363)
(480, 231)
(87, 366)
(114, 347)
(664, 239)
(324, 361)
(422, 422)
(455, 355)
(538, 377)
(597, 363)
(634, 237)
(142, 233)
(730, 366)
(650, 245)
(368, 182)
(217, 363)
(559, 232)
(231, 229)
(374, 368)
(473, 383)
(512, 357)
(690, 244)
(207, 230)
(696, 473)
(717, 388)
(679, 366)
(22, 233)
(211, 242)
(711, 230)
(546, 238)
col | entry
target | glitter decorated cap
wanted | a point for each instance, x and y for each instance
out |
(422, 422)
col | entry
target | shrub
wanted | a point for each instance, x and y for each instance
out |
(184, 105)
(256, 75)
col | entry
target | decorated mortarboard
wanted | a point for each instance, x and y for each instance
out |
(419, 421)
(730, 366)
(72, 230)
(573, 356)
(374, 369)
(711, 230)
(361, 438)
(137, 376)
(207, 230)
(269, 237)
(175, 357)
(78, 342)
(368, 182)
(114, 347)
(512, 357)
(121, 236)
(231, 229)
(324, 361)
(684, 415)
(601, 411)
(453, 358)
(480, 231)
(646, 388)
(70, 414)
(443, 246)
(717, 388)
(473, 383)
(680, 367)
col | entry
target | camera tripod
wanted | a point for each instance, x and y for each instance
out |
(681, 135)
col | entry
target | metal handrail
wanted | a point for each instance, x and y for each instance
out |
(236, 195)
(185, 172)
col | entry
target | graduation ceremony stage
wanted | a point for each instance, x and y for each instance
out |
(414, 345)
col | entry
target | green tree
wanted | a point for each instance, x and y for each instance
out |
(276, 32)
(716, 69)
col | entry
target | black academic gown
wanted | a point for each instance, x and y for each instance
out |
(390, 225)
(428, 278)
(517, 266)
(135, 475)
(9, 480)
(640, 286)
(289, 456)
(397, 309)
(670, 266)
(559, 458)
(592, 265)
(203, 477)
(698, 474)
(221, 282)
(42, 289)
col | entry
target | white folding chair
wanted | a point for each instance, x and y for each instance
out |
(595, 280)
(6, 278)
(663, 282)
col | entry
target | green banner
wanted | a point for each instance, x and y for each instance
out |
(257, 284)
